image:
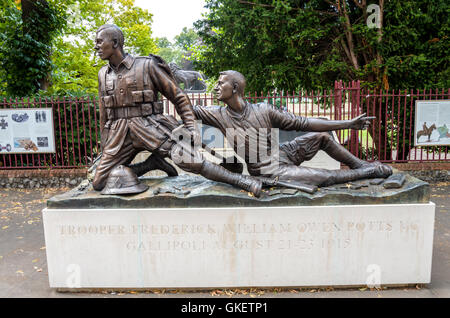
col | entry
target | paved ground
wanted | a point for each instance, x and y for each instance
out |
(23, 268)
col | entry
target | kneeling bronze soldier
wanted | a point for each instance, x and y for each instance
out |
(132, 120)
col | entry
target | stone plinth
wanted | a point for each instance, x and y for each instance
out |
(187, 191)
(193, 233)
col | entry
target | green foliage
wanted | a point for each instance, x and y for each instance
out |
(58, 47)
(177, 51)
(292, 44)
(25, 45)
(74, 56)
(168, 51)
(416, 44)
(186, 39)
(163, 43)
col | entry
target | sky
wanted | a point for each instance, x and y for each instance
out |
(171, 16)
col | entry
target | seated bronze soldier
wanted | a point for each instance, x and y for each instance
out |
(240, 120)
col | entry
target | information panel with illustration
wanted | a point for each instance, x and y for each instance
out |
(432, 123)
(26, 130)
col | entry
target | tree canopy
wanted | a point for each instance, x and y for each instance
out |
(292, 44)
(186, 39)
(59, 44)
(178, 50)
(276, 44)
(77, 64)
(27, 34)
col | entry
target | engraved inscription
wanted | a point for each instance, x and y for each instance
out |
(243, 236)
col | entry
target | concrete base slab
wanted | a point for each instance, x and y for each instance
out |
(342, 245)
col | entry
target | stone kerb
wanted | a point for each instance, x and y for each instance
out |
(39, 178)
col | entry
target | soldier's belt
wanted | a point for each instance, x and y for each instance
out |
(133, 111)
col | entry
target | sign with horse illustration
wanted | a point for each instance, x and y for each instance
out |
(432, 123)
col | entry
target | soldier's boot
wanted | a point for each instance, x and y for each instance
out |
(154, 162)
(219, 173)
(381, 170)
(370, 170)
(341, 154)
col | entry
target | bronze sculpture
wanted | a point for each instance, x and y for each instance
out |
(188, 78)
(132, 120)
(122, 180)
(240, 116)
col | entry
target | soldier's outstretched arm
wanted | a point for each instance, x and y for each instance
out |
(209, 115)
(360, 122)
(288, 121)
